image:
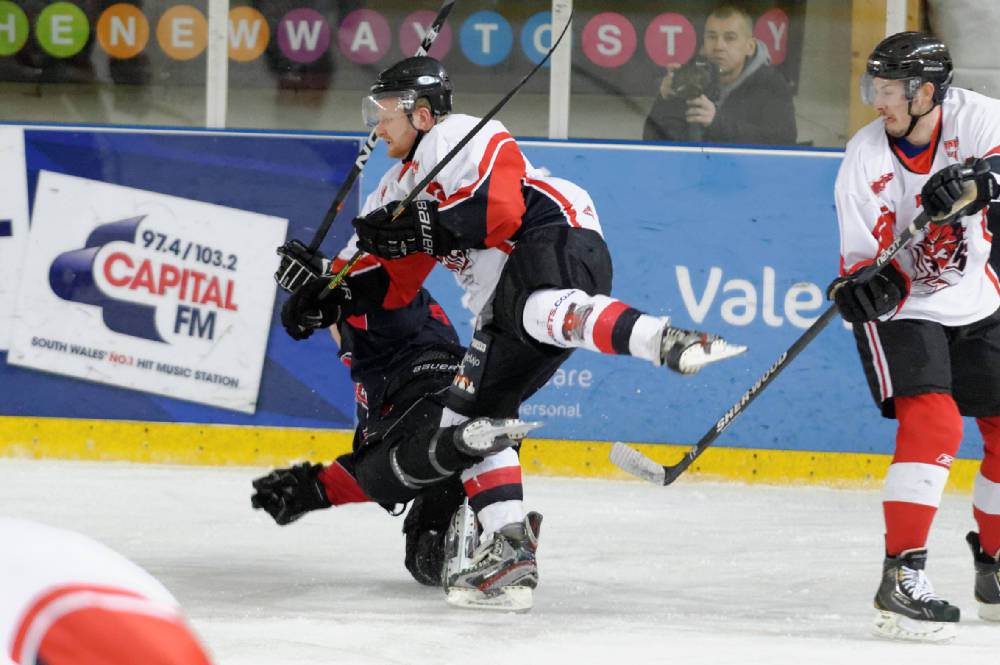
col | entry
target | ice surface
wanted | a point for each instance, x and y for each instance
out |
(631, 572)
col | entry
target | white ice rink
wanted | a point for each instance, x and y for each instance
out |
(630, 572)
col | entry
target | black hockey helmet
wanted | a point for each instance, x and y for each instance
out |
(408, 80)
(914, 58)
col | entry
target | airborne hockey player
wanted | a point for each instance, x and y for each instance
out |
(927, 326)
(528, 251)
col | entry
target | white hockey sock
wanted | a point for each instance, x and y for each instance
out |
(497, 515)
(570, 318)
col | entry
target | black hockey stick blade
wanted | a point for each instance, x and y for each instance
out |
(291, 273)
(634, 462)
(455, 150)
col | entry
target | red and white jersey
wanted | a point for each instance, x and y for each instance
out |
(878, 195)
(65, 598)
(487, 194)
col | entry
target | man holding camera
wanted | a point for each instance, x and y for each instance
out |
(730, 95)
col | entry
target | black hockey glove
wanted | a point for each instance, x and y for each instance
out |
(415, 230)
(946, 187)
(288, 494)
(298, 265)
(867, 299)
(314, 305)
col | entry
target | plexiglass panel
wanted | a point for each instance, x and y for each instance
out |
(312, 62)
(100, 61)
(305, 64)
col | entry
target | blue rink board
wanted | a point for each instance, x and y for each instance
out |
(662, 209)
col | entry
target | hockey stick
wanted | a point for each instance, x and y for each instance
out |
(631, 460)
(289, 275)
(454, 151)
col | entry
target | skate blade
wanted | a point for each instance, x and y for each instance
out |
(989, 611)
(897, 627)
(517, 429)
(696, 357)
(508, 599)
(482, 433)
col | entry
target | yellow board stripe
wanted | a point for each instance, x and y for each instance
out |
(217, 445)
(166, 443)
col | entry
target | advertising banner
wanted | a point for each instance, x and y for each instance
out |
(147, 291)
(150, 293)
(13, 224)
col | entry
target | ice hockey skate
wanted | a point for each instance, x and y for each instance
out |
(987, 587)
(485, 436)
(501, 573)
(687, 351)
(908, 608)
(460, 542)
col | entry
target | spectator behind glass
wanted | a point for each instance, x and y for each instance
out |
(752, 103)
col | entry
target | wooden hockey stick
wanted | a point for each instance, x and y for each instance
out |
(286, 276)
(631, 460)
(454, 151)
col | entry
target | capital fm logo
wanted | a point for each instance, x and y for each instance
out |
(148, 284)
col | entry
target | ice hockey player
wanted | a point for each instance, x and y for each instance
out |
(400, 359)
(927, 325)
(528, 251)
(67, 599)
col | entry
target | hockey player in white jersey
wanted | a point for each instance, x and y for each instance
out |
(927, 326)
(66, 599)
(528, 251)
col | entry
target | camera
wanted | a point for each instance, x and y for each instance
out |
(698, 76)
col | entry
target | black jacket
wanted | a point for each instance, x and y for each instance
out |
(757, 112)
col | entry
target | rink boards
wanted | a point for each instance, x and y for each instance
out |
(139, 319)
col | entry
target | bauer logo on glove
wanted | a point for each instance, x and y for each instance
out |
(416, 229)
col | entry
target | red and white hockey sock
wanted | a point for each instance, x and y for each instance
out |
(495, 491)
(570, 318)
(986, 488)
(929, 433)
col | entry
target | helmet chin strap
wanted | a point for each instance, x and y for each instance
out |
(914, 119)
(416, 142)
(420, 135)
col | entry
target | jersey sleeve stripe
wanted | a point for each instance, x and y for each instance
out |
(490, 209)
(505, 200)
(568, 210)
(406, 275)
(485, 167)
